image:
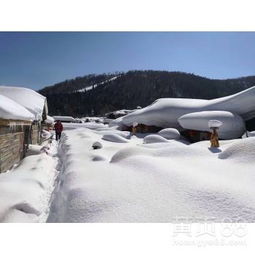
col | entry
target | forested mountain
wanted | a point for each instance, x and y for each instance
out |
(98, 94)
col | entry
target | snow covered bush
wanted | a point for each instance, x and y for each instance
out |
(242, 150)
(97, 145)
(169, 133)
(116, 138)
(46, 134)
(154, 139)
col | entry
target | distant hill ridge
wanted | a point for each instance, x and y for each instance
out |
(98, 94)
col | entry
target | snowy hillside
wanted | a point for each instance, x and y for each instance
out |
(134, 88)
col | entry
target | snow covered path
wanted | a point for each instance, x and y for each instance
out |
(128, 181)
(26, 190)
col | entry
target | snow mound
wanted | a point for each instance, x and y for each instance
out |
(127, 153)
(169, 133)
(116, 138)
(34, 149)
(170, 149)
(117, 122)
(154, 139)
(97, 145)
(46, 134)
(242, 150)
(26, 190)
(125, 134)
(26, 208)
(98, 158)
(11, 110)
(49, 120)
(233, 125)
(251, 134)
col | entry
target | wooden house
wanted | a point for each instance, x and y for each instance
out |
(141, 128)
(35, 103)
(194, 136)
(15, 132)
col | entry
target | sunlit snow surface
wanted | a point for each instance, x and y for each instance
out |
(139, 180)
(152, 182)
(9, 109)
(26, 190)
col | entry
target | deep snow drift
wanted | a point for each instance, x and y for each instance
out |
(26, 190)
(152, 182)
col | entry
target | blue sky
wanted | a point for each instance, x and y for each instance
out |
(38, 59)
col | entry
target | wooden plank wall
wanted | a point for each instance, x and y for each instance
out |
(11, 149)
(35, 134)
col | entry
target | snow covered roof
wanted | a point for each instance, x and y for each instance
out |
(232, 125)
(28, 98)
(49, 120)
(165, 112)
(64, 118)
(13, 111)
(119, 113)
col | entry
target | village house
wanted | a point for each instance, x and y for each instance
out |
(15, 125)
(22, 115)
(191, 116)
(33, 102)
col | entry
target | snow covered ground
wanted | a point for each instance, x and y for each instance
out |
(131, 179)
(26, 190)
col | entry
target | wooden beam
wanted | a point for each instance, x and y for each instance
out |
(7, 123)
